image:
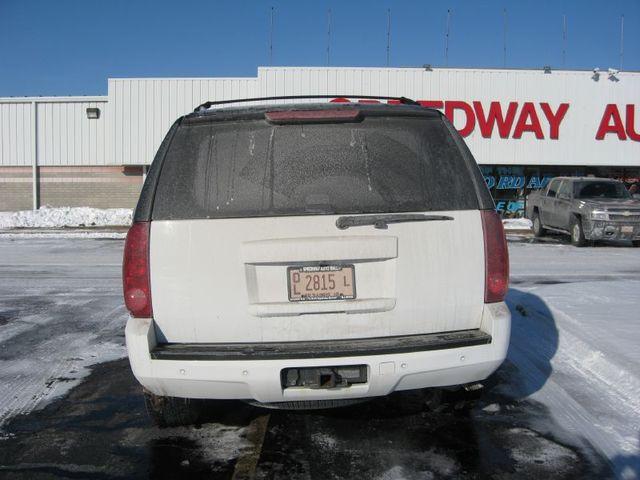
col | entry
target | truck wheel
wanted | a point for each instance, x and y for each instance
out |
(170, 411)
(538, 229)
(577, 233)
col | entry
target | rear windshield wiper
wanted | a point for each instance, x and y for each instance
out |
(382, 221)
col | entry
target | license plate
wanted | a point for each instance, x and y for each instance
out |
(627, 229)
(327, 282)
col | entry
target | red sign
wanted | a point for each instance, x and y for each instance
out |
(541, 120)
(612, 123)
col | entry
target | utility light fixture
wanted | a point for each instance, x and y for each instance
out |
(93, 113)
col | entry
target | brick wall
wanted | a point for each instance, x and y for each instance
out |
(15, 188)
(100, 187)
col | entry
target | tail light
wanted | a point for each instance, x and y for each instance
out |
(135, 271)
(496, 258)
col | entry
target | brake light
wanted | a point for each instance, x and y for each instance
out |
(496, 258)
(317, 116)
(135, 271)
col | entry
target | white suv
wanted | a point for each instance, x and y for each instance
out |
(311, 255)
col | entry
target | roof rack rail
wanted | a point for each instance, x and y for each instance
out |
(206, 105)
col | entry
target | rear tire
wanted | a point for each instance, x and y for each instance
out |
(635, 243)
(171, 411)
(538, 229)
(577, 233)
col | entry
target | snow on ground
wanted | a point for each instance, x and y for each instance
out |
(61, 311)
(220, 443)
(574, 347)
(581, 307)
(48, 217)
(516, 224)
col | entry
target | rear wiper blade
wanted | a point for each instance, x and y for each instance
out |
(382, 221)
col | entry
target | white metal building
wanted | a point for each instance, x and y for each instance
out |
(523, 126)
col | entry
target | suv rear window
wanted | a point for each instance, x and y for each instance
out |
(252, 168)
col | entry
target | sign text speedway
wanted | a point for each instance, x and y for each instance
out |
(540, 119)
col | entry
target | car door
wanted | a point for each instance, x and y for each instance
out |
(562, 208)
(548, 202)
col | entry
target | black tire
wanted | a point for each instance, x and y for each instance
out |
(171, 411)
(635, 243)
(577, 233)
(538, 229)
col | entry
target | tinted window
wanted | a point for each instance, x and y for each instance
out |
(600, 190)
(253, 168)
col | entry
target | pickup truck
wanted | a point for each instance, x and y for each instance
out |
(586, 208)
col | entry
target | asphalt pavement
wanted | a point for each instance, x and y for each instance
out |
(70, 407)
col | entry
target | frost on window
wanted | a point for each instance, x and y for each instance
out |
(252, 168)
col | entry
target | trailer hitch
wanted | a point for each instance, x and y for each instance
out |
(323, 377)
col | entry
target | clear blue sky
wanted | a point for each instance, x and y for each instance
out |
(71, 47)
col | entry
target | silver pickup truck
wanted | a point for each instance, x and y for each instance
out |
(586, 208)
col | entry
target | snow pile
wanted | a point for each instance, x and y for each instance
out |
(48, 217)
(516, 224)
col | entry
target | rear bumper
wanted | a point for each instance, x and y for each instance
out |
(319, 349)
(190, 372)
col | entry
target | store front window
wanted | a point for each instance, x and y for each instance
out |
(510, 185)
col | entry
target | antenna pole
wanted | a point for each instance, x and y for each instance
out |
(388, 34)
(504, 38)
(621, 41)
(564, 39)
(328, 37)
(271, 38)
(446, 39)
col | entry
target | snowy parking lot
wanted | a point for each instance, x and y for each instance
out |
(565, 404)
